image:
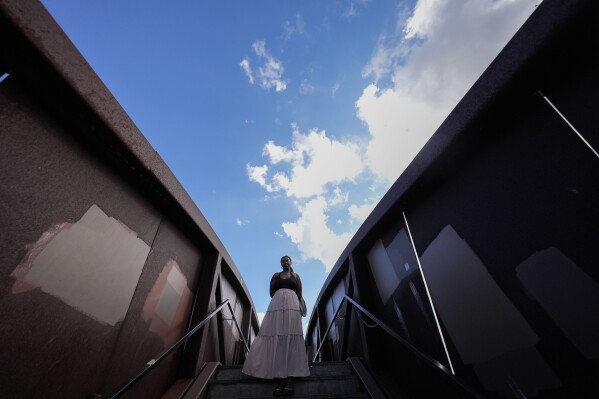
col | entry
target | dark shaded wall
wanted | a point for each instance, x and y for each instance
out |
(483, 255)
(104, 259)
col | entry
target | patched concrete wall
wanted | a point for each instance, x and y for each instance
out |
(104, 258)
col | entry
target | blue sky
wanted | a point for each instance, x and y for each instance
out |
(286, 121)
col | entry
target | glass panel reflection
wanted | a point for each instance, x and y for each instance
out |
(399, 283)
(478, 316)
(568, 295)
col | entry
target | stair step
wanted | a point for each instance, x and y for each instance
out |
(358, 395)
(338, 369)
(319, 387)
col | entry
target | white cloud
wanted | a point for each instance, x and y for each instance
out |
(242, 222)
(339, 197)
(313, 162)
(306, 87)
(278, 235)
(245, 65)
(277, 153)
(258, 174)
(269, 73)
(314, 239)
(385, 55)
(350, 12)
(296, 27)
(399, 127)
(443, 48)
(260, 317)
(360, 212)
(335, 88)
(434, 55)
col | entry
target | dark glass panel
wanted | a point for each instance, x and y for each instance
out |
(405, 305)
(507, 239)
(568, 295)
(478, 316)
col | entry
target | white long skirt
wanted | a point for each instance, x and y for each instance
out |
(279, 350)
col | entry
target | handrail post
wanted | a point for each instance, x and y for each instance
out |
(152, 363)
(328, 328)
(247, 349)
(427, 359)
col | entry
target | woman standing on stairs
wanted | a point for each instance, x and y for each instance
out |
(279, 350)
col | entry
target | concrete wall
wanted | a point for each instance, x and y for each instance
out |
(104, 259)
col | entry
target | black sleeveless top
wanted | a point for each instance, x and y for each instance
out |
(285, 283)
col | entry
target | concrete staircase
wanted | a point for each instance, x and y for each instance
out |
(326, 380)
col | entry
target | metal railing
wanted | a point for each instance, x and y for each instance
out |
(152, 363)
(425, 358)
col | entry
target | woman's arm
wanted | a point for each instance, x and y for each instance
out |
(298, 290)
(272, 284)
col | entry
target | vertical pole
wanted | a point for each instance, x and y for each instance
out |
(430, 299)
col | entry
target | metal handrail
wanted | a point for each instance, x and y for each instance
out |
(152, 363)
(427, 359)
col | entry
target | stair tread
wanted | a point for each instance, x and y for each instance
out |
(332, 396)
(243, 377)
(254, 380)
(311, 364)
(358, 395)
(298, 383)
(304, 387)
(328, 380)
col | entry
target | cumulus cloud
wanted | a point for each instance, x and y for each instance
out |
(386, 53)
(313, 162)
(311, 171)
(269, 73)
(258, 174)
(419, 72)
(399, 128)
(360, 212)
(313, 237)
(260, 317)
(441, 50)
(339, 197)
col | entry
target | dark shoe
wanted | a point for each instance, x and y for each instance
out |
(288, 388)
(278, 391)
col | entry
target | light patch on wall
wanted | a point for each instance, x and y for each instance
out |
(92, 265)
(168, 303)
(33, 250)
